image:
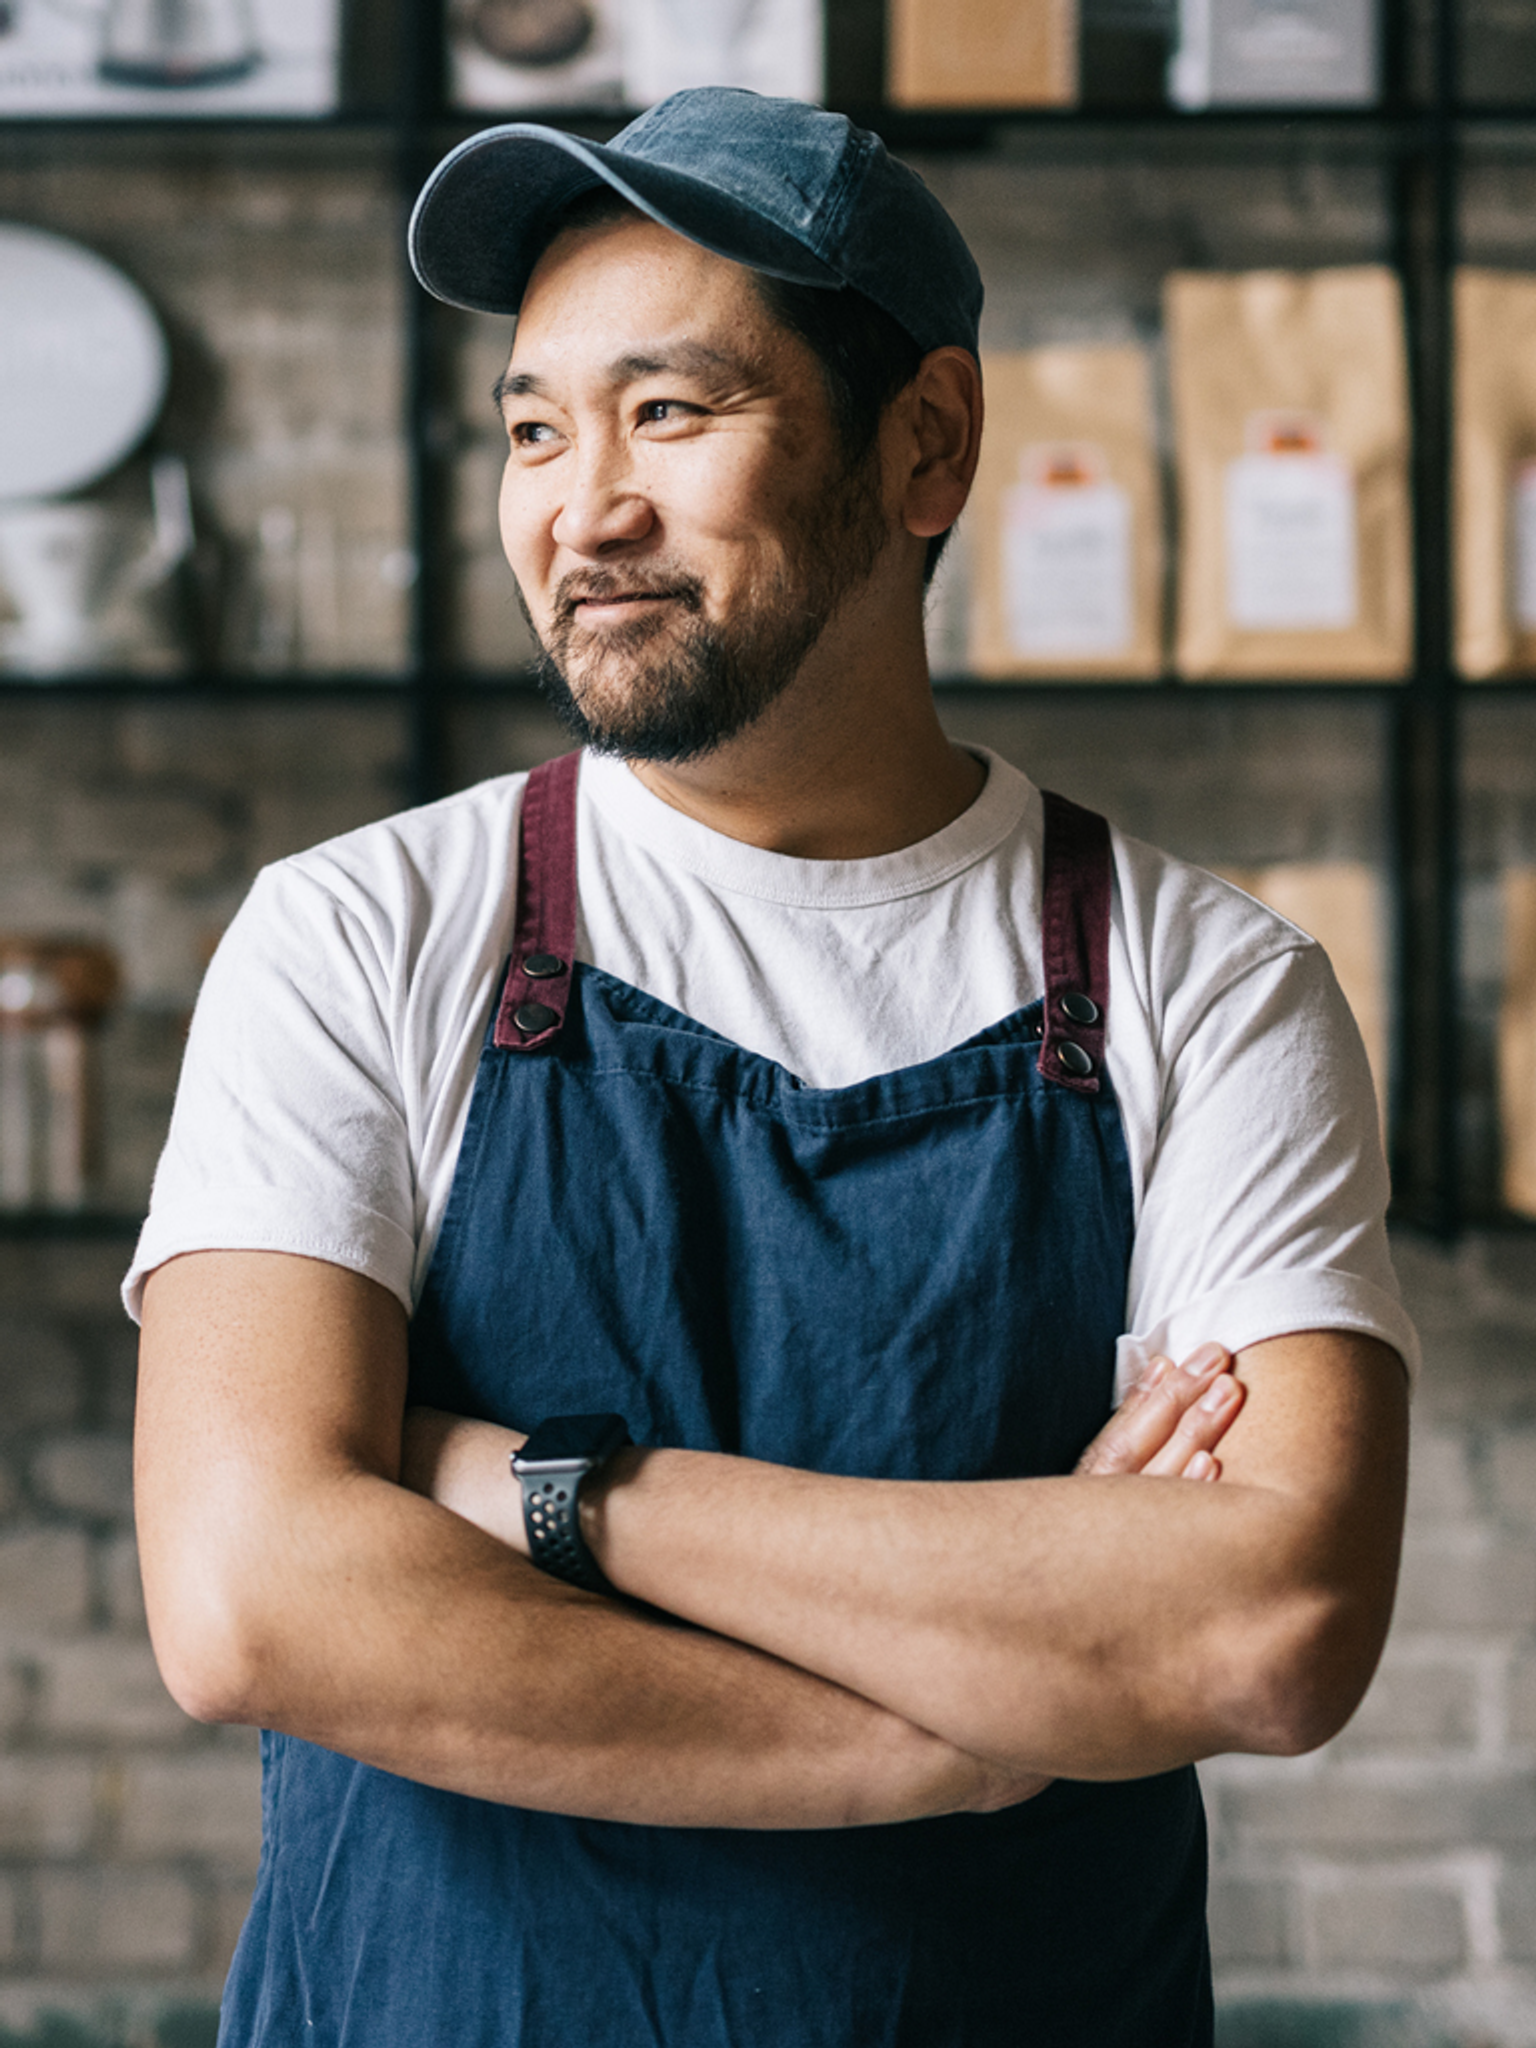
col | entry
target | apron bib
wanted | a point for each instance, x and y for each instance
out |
(919, 1276)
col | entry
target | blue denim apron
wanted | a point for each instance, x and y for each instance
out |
(919, 1276)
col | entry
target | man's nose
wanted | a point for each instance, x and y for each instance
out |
(604, 506)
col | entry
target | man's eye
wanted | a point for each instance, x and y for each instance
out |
(530, 433)
(664, 409)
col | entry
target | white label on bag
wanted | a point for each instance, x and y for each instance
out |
(1522, 525)
(1066, 544)
(1291, 548)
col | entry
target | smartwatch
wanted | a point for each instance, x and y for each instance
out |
(550, 1468)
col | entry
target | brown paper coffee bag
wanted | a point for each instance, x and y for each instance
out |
(1064, 531)
(1290, 406)
(981, 53)
(1517, 1042)
(1342, 905)
(1495, 473)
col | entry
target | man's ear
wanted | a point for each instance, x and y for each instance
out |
(942, 414)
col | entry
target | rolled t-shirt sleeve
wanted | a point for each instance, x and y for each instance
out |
(1263, 1209)
(290, 1130)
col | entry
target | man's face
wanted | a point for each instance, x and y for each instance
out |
(676, 506)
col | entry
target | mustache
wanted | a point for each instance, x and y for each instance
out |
(587, 586)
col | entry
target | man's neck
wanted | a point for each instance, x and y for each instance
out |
(849, 763)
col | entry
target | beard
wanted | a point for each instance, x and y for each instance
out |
(674, 685)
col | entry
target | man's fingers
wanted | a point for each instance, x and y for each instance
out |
(1199, 1429)
(1146, 1422)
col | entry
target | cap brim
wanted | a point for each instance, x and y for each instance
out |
(486, 213)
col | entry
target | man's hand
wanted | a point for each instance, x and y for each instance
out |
(1170, 1423)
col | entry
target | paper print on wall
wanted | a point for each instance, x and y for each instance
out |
(516, 54)
(166, 58)
(768, 46)
(1494, 534)
(1292, 556)
(1517, 1041)
(1063, 535)
(1290, 412)
(1522, 521)
(981, 53)
(1066, 537)
(1235, 53)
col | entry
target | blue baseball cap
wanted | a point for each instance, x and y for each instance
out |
(775, 184)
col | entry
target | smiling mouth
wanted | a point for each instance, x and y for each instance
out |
(619, 597)
(604, 603)
(600, 608)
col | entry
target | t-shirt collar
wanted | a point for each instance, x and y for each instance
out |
(625, 803)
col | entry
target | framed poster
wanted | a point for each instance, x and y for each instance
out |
(521, 54)
(1244, 53)
(768, 46)
(164, 58)
(982, 53)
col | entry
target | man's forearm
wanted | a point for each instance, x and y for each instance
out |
(1084, 1628)
(431, 1652)
(292, 1583)
(1089, 1629)
(1068, 1626)
(1058, 1619)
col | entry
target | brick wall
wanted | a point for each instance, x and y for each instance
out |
(128, 1834)
(1400, 1862)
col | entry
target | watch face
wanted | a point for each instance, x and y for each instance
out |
(574, 1440)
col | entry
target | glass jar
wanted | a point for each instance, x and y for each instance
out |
(53, 995)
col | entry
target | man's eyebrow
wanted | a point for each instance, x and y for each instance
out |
(683, 359)
(519, 384)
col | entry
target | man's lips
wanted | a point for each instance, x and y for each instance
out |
(614, 605)
(623, 597)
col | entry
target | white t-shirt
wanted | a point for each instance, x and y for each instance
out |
(334, 1046)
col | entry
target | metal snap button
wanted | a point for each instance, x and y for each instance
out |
(532, 1018)
(1080, 1008)
(541, 966)
(1074, 1059)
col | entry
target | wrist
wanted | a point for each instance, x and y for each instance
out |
(461, 1465)
(616, 1474)
(554, 1467)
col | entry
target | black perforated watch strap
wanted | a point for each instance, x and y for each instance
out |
(550, 1469)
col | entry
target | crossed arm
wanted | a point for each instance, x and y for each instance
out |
(862, 1651)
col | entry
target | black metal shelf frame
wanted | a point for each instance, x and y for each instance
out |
(1420, 137)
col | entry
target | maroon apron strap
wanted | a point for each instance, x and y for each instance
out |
(538, 984)
(1075, 932)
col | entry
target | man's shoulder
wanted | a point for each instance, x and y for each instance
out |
(1195, 947)
(414, 858)
(1177, 912)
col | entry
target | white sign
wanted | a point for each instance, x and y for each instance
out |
(1523, 546)
(768, 46)
(1291, 541)
(1067, 573)
(112, 57)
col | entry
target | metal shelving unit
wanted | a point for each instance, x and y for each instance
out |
(1418, 135)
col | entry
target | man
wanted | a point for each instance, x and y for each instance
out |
(813, 1102)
